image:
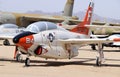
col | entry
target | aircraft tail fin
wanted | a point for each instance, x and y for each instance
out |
(68, 8)
(80, 28)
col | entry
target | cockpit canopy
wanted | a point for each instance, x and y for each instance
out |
(8, 26)
(41, 26)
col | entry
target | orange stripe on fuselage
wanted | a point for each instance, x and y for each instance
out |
(117, 40)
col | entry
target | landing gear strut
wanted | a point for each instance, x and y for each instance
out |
(17, 55)
(98, 63)
(100, 57)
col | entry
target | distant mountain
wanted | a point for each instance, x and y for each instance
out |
(80, 15)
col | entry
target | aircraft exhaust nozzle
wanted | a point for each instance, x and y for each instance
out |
(68, 10)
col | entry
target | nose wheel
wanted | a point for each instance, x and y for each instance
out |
(19, 58)
(27, 62)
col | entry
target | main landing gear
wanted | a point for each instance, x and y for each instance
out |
(100, 57)
(98, 62)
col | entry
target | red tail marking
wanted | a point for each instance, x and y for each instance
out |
(87, 20)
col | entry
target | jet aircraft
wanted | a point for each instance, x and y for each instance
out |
(111, 44)
(54, 42)
(24, 19)
(9, 30)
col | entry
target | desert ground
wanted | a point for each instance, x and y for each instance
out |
(81, 66)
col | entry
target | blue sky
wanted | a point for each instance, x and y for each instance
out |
(104, 8)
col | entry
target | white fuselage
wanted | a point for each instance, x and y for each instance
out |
(51, 47)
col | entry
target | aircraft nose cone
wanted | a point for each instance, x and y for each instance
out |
(17, 38)
(24, 40)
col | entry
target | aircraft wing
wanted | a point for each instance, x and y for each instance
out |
(98, 36)
(59, 19)
(88, 41)
(55, 19)
(73, 21)
(92, 27)
(44, 18)
(103, 26)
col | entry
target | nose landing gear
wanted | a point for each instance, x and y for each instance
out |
(19, 58)
(27, 62)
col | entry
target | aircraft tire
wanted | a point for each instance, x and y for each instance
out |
(98, 63)
(18, 58)
(27, 62)
(6, 42)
